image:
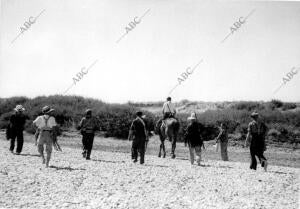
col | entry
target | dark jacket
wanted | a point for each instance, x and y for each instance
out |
(192, 135)
(17, 122)
(257, 132)
(89, 125)
(138, 129)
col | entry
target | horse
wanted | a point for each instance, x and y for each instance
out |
(167, 130)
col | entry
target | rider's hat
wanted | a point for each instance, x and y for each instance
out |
(192, 117)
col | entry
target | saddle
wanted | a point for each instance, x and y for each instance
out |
(163, 123)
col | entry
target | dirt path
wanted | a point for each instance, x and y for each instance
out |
(111, 180)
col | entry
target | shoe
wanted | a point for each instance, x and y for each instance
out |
(44, 161)
(135, 160)
(266, 165)
(11, 151)
(18, 153)
(88, 158)
(84, 154)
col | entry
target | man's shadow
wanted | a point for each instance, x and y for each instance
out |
(32, 155)
(109, 161)
(67, 168)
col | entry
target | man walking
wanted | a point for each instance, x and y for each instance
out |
(16, 127)
(193, 138)
(139, 136)
(45, 124)
(256, 138)
(222, 138)
(88, 126)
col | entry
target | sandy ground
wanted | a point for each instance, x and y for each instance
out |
(111, 180)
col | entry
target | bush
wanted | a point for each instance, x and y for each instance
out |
(115, 119)
(248, 106)
(289, 106)
(276, 103)
(7, 105)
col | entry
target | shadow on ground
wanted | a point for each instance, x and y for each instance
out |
(67, 168)
(32, 155)
(109, 161)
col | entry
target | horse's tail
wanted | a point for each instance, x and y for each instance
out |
(157, 127)
(177, 126)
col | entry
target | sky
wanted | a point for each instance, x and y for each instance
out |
(169, 38)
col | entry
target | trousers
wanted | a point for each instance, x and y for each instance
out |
(138, 147)
(224, 153)
(87, 144)
(259, 153)
(195, 150)
(20, 141)
(45, 138)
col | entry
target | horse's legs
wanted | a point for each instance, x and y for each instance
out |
(160, 146)
(173, 146)
(164, 149)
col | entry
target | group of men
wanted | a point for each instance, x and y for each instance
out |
(45, 125)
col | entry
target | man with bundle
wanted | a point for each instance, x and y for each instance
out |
(139, 136)
(45, 124)
(88, 126)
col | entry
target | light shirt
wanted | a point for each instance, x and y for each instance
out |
(168, 107)
(40, 122)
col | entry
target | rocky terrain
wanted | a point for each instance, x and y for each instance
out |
(111, 180)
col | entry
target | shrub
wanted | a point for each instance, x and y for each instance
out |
(276, 103)
(7, 105)
(289, 106)
(249, 106)
(115, 119)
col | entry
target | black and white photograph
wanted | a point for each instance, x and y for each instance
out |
(149, 104)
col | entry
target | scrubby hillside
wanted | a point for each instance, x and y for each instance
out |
(282, 119)
(115, 119)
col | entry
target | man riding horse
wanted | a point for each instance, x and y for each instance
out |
(168, 127)
(168, 109)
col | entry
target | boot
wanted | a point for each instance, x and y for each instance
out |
(265, 165)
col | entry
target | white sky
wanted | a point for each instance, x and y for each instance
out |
(146, 63)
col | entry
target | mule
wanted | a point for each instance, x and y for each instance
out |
(167, 130)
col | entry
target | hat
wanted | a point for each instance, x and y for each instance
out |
(19, 108)
(254, 114)
(192, 117)
(46, 109)
(139, 113)
(169, 98)
(88, 112)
